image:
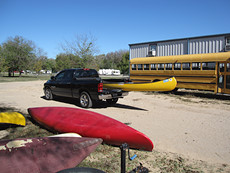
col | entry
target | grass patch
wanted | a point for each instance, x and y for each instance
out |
(23, 78)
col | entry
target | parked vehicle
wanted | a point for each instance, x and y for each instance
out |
(84, 84)
(109, 72)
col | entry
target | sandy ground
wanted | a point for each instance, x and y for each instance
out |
(197, 128)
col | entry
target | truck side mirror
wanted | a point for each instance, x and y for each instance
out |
(52, 78)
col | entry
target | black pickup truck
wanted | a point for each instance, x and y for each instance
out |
(84, 84)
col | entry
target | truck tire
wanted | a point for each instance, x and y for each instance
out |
(85, 100)
(48, 94)
(112, 101)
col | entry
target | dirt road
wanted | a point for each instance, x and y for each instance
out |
(195, 127)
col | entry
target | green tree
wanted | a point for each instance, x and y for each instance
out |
(3, 66)
(37, 65)
(18, 53)
(50, 64)
(115, 60)
(65, 61)
(123, 66)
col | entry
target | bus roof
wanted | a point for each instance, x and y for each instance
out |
(209, 57)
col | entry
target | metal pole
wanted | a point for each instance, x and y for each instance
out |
(123, 148)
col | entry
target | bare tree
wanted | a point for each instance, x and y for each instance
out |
(82, 45)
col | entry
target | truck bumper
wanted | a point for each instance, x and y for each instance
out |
(112, 95)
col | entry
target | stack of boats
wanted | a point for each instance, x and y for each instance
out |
(55, 153)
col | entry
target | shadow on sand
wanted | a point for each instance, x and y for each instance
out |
(202, 94)
(96, 105)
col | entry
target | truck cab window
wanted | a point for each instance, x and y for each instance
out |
(60, 76)
(93, 73)
(68, 75)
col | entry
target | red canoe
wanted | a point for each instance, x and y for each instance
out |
(44, 154)
(90, 124)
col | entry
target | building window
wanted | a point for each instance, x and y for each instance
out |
(186, 66)
(153, 49)
(134, 67)
(153, 66)
(196, 66)
(177, 66)
(146, 66)
(228, 41)
(140, 67)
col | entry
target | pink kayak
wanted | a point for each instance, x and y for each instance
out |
(48, 154)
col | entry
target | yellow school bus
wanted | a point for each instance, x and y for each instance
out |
(196, 71)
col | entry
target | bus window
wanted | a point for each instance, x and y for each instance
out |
(134, 67)
(228, 82)
(177, 66)
(196, 66)
(186, 66)
(153, 66)
(168, 66)
(208, 65)
(221, 82)
(146, 66)
(228, 67)
(160, 66)
(140, 67)
(221, 66)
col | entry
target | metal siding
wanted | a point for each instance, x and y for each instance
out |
(139, 51)
(172, 48)
(206, 45)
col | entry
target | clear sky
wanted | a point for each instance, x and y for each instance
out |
(114, 23)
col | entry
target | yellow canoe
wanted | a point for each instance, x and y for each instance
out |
(12, 118)
(165, 85)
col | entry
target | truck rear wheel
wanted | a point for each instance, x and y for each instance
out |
(85, 100)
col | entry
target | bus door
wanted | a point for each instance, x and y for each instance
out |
(224, 77)
(227, 91)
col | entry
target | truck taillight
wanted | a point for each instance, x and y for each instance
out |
(100, 87)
